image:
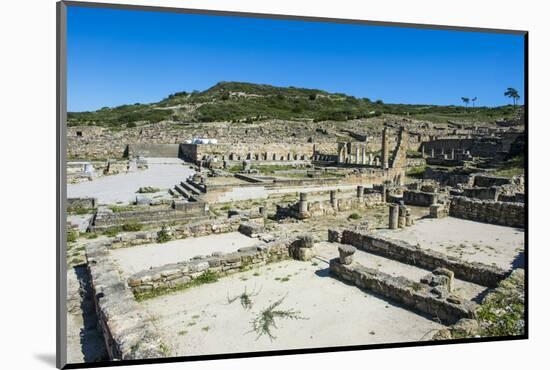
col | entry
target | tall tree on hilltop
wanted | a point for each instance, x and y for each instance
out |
(512, 94)
(465, 100)
(474, 101)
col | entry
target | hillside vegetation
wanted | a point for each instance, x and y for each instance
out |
(248, 102)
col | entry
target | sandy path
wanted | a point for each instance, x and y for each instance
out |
(138, 258)
(162, 173)
(200, 320)
(468, 240)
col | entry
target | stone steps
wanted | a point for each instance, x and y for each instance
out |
(187, 186)
(180, 190)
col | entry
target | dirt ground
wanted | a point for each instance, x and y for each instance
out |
(201, 320)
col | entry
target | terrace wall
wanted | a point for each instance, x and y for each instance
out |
(493, 212)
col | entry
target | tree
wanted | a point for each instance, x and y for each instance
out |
(474, 101)
(466, 101)
(512, 94)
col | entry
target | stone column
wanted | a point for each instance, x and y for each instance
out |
(433, 152)
(371, 159)
(363, 157)
(408, 218)
(360, 192)
(333, 200)
(346, 253)
(402, 220)
(383, 190)
(356, 155)
(263, 212)
(452, 154)
(302, 204)
(394, 215)
(385, 149)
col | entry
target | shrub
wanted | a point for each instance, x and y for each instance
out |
(163, 236)
(132, 226)
(354, 216)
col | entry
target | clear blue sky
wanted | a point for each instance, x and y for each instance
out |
(123, 57)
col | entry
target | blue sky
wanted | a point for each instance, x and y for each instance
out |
(123, 57)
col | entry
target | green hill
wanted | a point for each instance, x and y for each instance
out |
(239, 101)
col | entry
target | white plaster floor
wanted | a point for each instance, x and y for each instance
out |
(162, 173)
(468, 240)
(141, 257)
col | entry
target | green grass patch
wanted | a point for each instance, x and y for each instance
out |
(132, 226)
(80, 210)
(117, 209)
(416, 172)
(72, 236)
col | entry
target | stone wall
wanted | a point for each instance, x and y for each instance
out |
(425, 258)
(249, 151)
(106, 218)
(173, 275)
(419, 198)
(488, 181)
(128, 331)
(81, 202)
(414, 295)
(449, 177)
(491, 193)
(190, 230)
(493, 212)
(153, 150)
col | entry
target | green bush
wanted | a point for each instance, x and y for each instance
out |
(354, 216)
(132, 226)
(163, 236)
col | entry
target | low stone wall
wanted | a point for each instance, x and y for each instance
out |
(491, 193)
(106, 218)
(514, 198)
(449, 178)
(419, 198)
(499, 213)
(82, 202)
(190, 230)
(414, 295)
(174, 275)
(153, 150)
(488, 181)
(474, 272)
(128, 331)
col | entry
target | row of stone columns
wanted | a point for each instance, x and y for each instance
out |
(399, 216)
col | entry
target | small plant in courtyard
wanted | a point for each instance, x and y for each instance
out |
(246, 302)
(264, 322)
(354, 216)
